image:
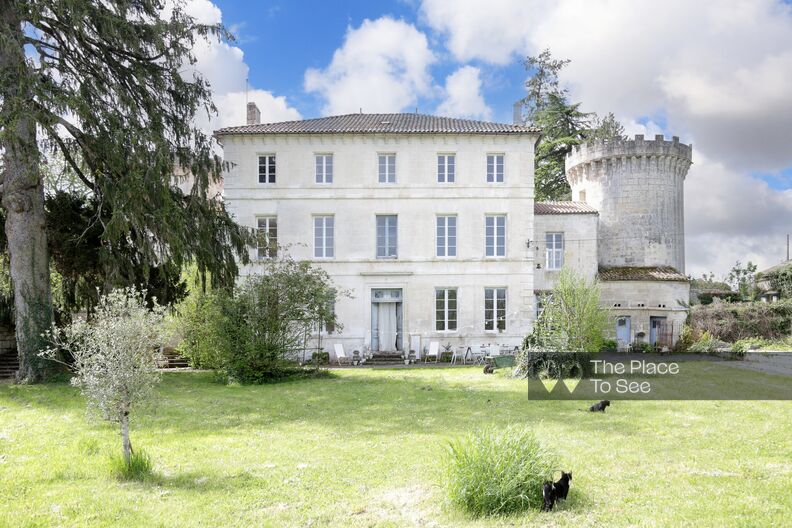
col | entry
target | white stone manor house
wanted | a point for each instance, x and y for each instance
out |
(430, 223)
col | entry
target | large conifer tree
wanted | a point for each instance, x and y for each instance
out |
(106, 85)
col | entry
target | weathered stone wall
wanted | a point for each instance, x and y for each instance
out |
(355, 198)
(641, 300)
(637, 186)
(580, 246)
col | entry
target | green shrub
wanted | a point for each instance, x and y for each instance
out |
(707, 344)
(498, 472)
(642, 347)
(139, 467)
(534, 363)
(732, 322)
(686, 339)
(259, 331)
(609, 345)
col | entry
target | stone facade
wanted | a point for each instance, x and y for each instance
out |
(355, 198)
(628, 212)
(638, 188)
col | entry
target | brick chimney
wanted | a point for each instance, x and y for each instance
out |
(517, 113)
(253, 114)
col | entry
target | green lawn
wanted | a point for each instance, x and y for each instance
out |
(364, 448)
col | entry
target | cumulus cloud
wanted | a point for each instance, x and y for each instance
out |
(223, 66)
(463, 96)
(719, 69)
(730, 217)
(383, 66)
(718, 73)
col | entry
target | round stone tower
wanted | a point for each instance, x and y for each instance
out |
(637, 187)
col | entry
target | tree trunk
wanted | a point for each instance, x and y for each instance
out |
(127, 444)
(23, 203)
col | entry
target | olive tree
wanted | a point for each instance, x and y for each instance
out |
(115, 354)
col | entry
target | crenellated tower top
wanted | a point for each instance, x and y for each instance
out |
(638, 147)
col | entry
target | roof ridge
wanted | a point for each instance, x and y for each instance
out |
(400, 123)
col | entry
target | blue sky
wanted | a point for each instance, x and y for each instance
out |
(282, 39)
(716, 74)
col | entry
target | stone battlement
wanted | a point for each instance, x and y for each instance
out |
(638, 147)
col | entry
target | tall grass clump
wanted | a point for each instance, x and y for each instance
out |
(498, 471)
(139, 466)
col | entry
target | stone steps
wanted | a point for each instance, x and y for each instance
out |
(9, 364)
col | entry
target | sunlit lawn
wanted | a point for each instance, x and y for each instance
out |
(365, 448)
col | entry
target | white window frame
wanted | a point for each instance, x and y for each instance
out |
(388, 240)
(323, 168)
(270, 178)
(268, 250)
(554, 250)
(386, 172)
(443, 315)
(496, 172)
(495, 244)
(445, 243)
(324, 236)
(322, 327)
(443, 166)
(494, 317)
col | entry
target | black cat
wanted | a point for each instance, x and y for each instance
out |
(562, 486)
(549, 494)
(599, 407)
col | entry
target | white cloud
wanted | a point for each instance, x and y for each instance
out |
(718, 69)
(717, 72)
(491, 31)
(730, 217)
(223, 66)
(383, 66)
(463, 95)
(273, 109)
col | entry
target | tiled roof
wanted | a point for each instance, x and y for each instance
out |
(656, 273)
(547, 208)
(380, 124)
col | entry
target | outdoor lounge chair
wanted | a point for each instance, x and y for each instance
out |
(340, 354)
(434, 351)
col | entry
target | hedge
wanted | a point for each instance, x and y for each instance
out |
(732, 322)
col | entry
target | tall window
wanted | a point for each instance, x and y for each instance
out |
(324, 237)
(267, 237)
(387, 242)
(494, 308)
(324, 168)
(266, 167)
(446, 169)
(445, 309)
(494, 168)
(555, 251)
(387, 168)
(328, 326)
(495, 235)
(446, 236)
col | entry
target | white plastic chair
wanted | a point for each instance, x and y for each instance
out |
(459, 352)
(434, 351)
(340, 354)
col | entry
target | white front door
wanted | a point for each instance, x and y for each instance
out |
(386, 320)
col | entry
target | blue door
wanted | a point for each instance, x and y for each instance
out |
(623, 331)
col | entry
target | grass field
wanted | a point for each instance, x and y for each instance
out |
(364, 448)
